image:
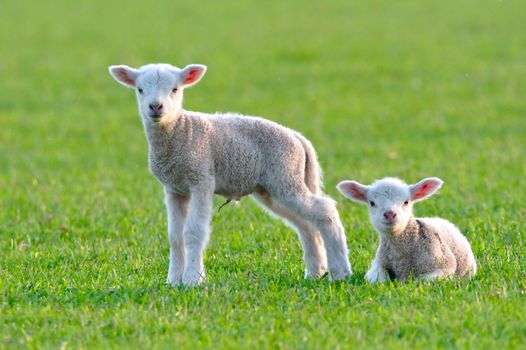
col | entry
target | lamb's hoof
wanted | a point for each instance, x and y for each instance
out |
(175, 275)
(316, 273)
(435, 275)
(375, 276)
(174, 281)
(193, 278)
(340, 274)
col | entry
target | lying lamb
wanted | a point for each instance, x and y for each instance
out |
(426, 248)
(196, 155)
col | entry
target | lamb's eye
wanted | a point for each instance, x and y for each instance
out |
(406, 202)
(140, 90)
(372, 203)
(174, 90)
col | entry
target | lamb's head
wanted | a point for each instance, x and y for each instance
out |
(390, 200)
(159, 87)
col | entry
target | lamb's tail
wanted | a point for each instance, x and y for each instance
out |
(313, 174)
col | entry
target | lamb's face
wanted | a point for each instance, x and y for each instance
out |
(390, 200)
(390, 205)
(159, 87)
(159, 92)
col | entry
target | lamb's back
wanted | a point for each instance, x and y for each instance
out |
(248, 151)
(263, 134)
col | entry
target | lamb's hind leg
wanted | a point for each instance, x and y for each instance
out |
(446, 268)
(177, 209)
(321, 212)
(313, 250)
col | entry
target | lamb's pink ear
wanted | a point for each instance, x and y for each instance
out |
(425, 188)
(354, 191)
(191, 74)
(124, 75)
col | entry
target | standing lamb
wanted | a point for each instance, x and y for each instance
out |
(426, 248)
(196, 155)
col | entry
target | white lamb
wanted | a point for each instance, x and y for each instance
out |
(425, 248)
(196, 155)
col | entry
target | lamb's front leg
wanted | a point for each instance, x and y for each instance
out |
(377, 273)
(177, 210)
(196, 233)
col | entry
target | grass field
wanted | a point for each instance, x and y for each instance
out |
(409, 89)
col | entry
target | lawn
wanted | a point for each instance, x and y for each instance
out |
(409, 89)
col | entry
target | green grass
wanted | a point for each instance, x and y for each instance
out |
(408, 89)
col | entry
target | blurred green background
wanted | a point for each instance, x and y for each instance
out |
(409, 89)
